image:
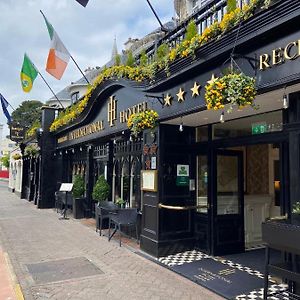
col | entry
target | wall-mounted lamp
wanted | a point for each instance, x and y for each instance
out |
(80, 149)
(130, 139)
(181, 125)
(222, 117)
(285, 100)
(115, 141)
(73, 151)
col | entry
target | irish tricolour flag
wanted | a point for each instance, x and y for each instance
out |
(59, 56)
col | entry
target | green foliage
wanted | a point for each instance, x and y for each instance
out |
(28, 113)
(191, 30)
(162, 52)
(78, 187)
(296, 208)
(31, 150)
(101, 189)
(32, 130)
(130, 59)
(143, 59)
(231, 5)
(5, 160)
(118, 60)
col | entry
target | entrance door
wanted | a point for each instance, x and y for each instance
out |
(228, 203)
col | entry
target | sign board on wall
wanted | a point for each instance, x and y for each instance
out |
(183, 175)
(258, 128)
(149, 180)
(17, 132)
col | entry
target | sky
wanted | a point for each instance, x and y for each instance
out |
(88, 34)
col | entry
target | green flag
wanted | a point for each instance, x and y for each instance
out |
(28, 74)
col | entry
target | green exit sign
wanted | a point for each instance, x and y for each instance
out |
(258, 128)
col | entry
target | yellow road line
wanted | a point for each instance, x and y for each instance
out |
(16, 285)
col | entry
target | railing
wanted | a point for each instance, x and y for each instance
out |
(213, 10)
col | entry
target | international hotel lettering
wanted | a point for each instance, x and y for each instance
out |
(280, 55)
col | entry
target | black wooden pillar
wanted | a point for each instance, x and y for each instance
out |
(293, 129)
(47, 167)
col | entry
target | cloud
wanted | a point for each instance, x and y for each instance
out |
(88, 34)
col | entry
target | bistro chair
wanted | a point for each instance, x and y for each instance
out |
(103, 212)
(123, 218)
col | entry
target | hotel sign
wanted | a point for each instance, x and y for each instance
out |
(17, 132)
(112, 119)
(280, 55)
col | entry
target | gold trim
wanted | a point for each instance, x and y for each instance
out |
(160, 205)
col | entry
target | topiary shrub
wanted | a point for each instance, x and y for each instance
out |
(191, 31)
(231, 5)
(101, 189)
(130, 59)
(78, 187)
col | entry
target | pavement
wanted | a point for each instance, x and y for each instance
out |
(42, 257)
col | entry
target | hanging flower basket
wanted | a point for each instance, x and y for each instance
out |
(235, 89)
(143, 120)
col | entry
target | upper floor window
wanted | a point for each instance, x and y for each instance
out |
(74, 97)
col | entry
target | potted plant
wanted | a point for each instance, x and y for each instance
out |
(296, 213)
(233, 89)
(78, 197)
(101, 189)
(120, 202)
(143, 120)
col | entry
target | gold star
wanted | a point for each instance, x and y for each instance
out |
(167, 100)
(213, 78)
(195, 89)
(180, 95)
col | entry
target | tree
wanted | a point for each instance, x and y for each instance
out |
(28, 112)
(5, 161)
(231, 5)
(130, 59)
(101, 190)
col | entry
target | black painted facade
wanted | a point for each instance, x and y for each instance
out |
(168, 231)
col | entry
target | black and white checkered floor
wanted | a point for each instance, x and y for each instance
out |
(192, 256)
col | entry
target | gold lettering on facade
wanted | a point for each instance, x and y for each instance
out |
(125, 114)
(287, 51)
(112, 111)
(86, 130)
(62, 139)
(277, 56)
(264, 62)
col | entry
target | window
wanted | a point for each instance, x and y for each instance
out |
(74, 97)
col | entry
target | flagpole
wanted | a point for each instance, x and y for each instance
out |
(50, 88)
(79, 69)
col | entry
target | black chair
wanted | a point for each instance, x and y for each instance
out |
(103, 212)
(59, 201)
(123, 218)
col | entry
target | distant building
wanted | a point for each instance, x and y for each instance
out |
(184, 8)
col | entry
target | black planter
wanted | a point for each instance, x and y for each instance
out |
(296, 219)
(79, 208)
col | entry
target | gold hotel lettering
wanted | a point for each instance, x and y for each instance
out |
(125, 114)
(280, 55)
(86, 130)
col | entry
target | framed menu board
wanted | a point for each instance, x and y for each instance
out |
(149, 180)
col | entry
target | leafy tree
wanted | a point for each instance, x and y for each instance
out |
(5, 160)
(101, 189)
(231, 5)
(191, 30)
(130, 59)
(143, 59)
(28, 112)
(162, 51)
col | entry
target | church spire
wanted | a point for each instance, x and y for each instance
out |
(114, 49)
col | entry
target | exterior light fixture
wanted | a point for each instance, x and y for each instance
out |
(115, 141)
(73, 151)
(222, 117)
(80, 149)
(285, 100)
(181, 126)
(130, 139)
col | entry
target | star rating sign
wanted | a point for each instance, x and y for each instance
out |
(195, 89)
(167, 100)
(180, 95)
(213, 78)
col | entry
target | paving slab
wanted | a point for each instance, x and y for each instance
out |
(39, 244)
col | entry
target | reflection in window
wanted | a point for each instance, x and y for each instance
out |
(202, 183)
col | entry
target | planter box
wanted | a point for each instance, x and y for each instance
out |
(79, 208)
(282, 235)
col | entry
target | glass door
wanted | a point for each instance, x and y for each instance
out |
(202, 223)
(228, 203)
